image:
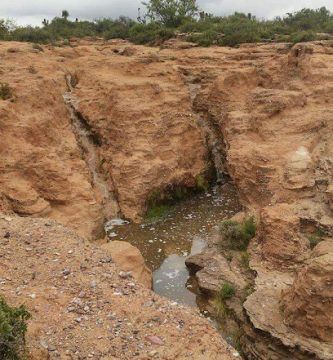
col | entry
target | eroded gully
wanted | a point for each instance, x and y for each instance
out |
(184, 230)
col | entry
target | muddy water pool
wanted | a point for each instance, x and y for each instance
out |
(184, 230)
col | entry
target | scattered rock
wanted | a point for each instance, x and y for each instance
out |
(155, 340)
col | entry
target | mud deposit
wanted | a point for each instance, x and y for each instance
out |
(184, 230)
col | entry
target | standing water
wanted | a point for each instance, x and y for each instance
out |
(166, 243)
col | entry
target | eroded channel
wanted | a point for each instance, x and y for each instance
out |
(185, 229)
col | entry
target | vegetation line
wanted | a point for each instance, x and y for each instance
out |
(170, 18)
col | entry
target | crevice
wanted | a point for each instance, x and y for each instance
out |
(87, 140)
(213, 135)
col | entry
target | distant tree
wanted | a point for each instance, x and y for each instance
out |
(171, 13)
(141, 19)
(65, 14)
(45, 22)
(7, 25)
(3, 27)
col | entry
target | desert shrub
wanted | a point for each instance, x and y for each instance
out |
(313, 241)
(226, 292)
(201, 182)
(245, 259)
(61, 28)
(37, 47)
(238, 29)
(315, 238)
(230, 30)
(249, 227)
(13, 327)
(303, 36)
(30, 34)
(236, 236)
(241, 28)
(113, 29)
(157, 212)
(147, 33)
(6, 91)
(66, 42)
(221, 309)
(206, 38)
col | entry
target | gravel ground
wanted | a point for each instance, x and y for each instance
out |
(83, 307)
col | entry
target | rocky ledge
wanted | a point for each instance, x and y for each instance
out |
(275, 116)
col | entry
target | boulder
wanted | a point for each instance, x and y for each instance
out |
(212, 270)
(128, 258)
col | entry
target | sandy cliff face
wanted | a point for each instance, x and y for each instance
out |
(275, 114)
(132, 134)
(141, 110)
(42, 172)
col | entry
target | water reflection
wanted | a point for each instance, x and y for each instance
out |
(172, 278)
(184, 231)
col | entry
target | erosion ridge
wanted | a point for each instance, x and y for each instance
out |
(261, 113)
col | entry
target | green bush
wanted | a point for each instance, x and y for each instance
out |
(315, 238)
(168, 16)
(12, 331)
(157, 212)
(249, 227)
(37, 47)
(30, 34)
(303, 36)
(245, 260)
(236, 236)
(221, 309)
(113, 29)
(201, 182)
(148, 33)
(226, 292)
(238, 29)
(6, 91)
(206, 38)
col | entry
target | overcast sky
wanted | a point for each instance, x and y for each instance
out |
(33, 11)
